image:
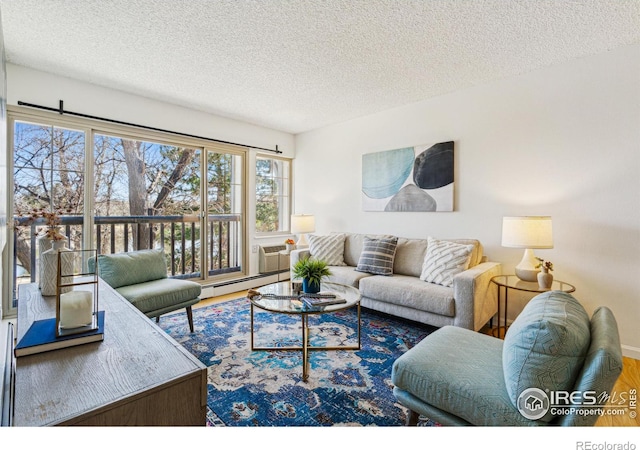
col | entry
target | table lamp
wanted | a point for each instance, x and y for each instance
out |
(300, 225)
(528, 232)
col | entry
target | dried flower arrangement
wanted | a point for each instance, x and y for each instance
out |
(546, 266)
(52, 221)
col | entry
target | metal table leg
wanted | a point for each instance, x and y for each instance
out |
(305, 347)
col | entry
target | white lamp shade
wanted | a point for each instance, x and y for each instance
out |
(527, 232)
(303, 223)
(300, 225)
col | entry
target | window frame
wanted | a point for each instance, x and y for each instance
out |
(284, 217)
(92, 127)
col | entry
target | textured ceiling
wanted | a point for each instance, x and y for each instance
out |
(296, 65)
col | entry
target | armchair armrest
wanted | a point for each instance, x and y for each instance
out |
(473, 295)
(294, 257)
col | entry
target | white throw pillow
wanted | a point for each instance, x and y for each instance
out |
(329, 249)
(444, 260)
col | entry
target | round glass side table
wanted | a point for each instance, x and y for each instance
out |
(507, 282)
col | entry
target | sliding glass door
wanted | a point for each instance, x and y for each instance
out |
(116, 190)
(225, 211)
(147, 195)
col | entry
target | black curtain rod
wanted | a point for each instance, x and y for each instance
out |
(61, 110)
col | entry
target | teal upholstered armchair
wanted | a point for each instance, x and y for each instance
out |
(141, 277)
(458, 377)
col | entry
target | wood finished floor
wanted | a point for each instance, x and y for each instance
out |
(629, 379)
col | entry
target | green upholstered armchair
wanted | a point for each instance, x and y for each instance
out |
(141, 277)
(458, 377)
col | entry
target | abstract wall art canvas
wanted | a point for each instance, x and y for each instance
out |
(418, 179)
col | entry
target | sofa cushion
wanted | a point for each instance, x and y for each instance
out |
(124, 269)
(444, 260)
(377, 256)
(353, 245)
(409, 256)
(546, 345)
(159, 294)
(477, 254)
(410, 292)
(329, 248)
(458, 371)
(346, 275)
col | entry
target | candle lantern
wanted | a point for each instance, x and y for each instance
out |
(77, 293)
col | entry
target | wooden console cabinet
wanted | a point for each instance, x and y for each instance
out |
(137, 376)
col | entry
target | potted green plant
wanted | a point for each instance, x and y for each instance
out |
(311, 271)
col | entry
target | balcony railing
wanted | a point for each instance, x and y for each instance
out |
(178, 236)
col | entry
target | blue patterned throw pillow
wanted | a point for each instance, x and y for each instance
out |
(546, 346)
(377, 256)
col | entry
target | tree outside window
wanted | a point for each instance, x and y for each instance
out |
(272, 195)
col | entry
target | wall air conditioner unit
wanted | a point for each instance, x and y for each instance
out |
(271, 260)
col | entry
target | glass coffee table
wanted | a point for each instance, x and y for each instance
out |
(281, 298)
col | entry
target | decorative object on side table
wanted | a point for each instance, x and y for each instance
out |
(311, 271)
(77, 293)
(545, 277)
(291, 245)
(50, 258)
(49, 261)
(50, 242)
(77, 318)
(528, 232)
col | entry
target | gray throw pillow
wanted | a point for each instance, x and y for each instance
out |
(377, 256)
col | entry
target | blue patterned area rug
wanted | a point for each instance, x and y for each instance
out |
(265, 388)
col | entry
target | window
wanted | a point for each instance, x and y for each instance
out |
(273, 200)
(48, 174)
(117, 190)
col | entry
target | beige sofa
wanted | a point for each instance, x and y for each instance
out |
(470, 302)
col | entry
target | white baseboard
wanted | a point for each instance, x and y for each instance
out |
(242, 285)
(207, 292)
(631, 352)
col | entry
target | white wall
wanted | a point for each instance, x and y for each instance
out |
(32, 86)
(40, 88)
(563, 141)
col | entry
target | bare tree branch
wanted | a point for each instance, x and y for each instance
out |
(176, 175)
